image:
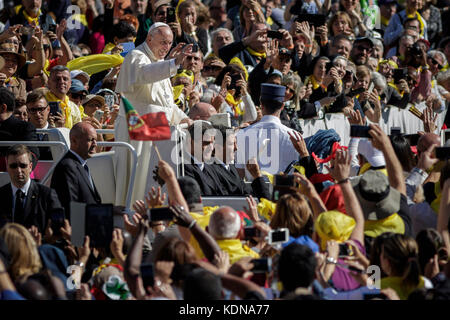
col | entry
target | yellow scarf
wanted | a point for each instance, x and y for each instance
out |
(109, 46)
(397, 284)
(46, 65)
(235, 104)
(418, 17)
(30, 20)
(64, 104)
(81, 18)
(311, 79)
(366, 166)
(259, 55)
(267, 208)
(393, 223)
(236, 250)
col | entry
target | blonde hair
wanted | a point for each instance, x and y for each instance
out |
(293, 212)
(22, 248)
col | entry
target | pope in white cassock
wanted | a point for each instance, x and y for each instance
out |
(144, 79)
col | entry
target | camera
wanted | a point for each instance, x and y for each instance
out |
(158, 214)
(251, 232)
(415, 49)
(360, 131)
(262, 265)
(345, 250)
(278, 236)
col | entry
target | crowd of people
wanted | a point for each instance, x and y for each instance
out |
(367, 220)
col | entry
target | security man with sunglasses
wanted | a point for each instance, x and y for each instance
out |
(23, 200)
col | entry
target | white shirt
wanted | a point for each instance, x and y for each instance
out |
(279, 152)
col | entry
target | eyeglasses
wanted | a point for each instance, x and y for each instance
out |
(36, 110)
(362, 48)
(21, 165)
(436, 63)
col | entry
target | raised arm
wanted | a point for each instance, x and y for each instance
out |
(67, 53)
(340, 171)
(207, 243)
(132, 267)
(394, 169)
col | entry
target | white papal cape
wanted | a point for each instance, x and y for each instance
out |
(145, 82)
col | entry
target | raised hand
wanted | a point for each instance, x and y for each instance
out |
(252, 210)
(299, 143)
(340, 166)
(154, 198)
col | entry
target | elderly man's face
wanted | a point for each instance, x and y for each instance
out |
(341, 47)
(160, 41)
(283, 63)
(202, 148)
(260, 43)
(436, 63)
(222, 39)
(59, 82)
(377, 52)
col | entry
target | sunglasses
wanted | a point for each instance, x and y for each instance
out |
(46, 46)
(78, 95)
(21, 165)
(36, 110)
(212, 68)
(362, 48)
(436, 63)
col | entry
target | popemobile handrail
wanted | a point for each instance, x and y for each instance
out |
(99, 143)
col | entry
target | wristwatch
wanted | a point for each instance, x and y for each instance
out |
(331, 260)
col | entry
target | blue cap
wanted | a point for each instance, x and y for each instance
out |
(272, 92)
(77, 86)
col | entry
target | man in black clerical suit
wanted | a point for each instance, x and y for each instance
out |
(72, 179)
(23, 200)
(224, 155)
(199, 146)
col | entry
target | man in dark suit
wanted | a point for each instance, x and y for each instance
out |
(23, 200)
(13, 129)
(72, 179)
(200, 145)
(225, 148)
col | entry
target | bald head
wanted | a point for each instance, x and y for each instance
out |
(427, 140)
(202, 111)
(224, 223)
(83, 139)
